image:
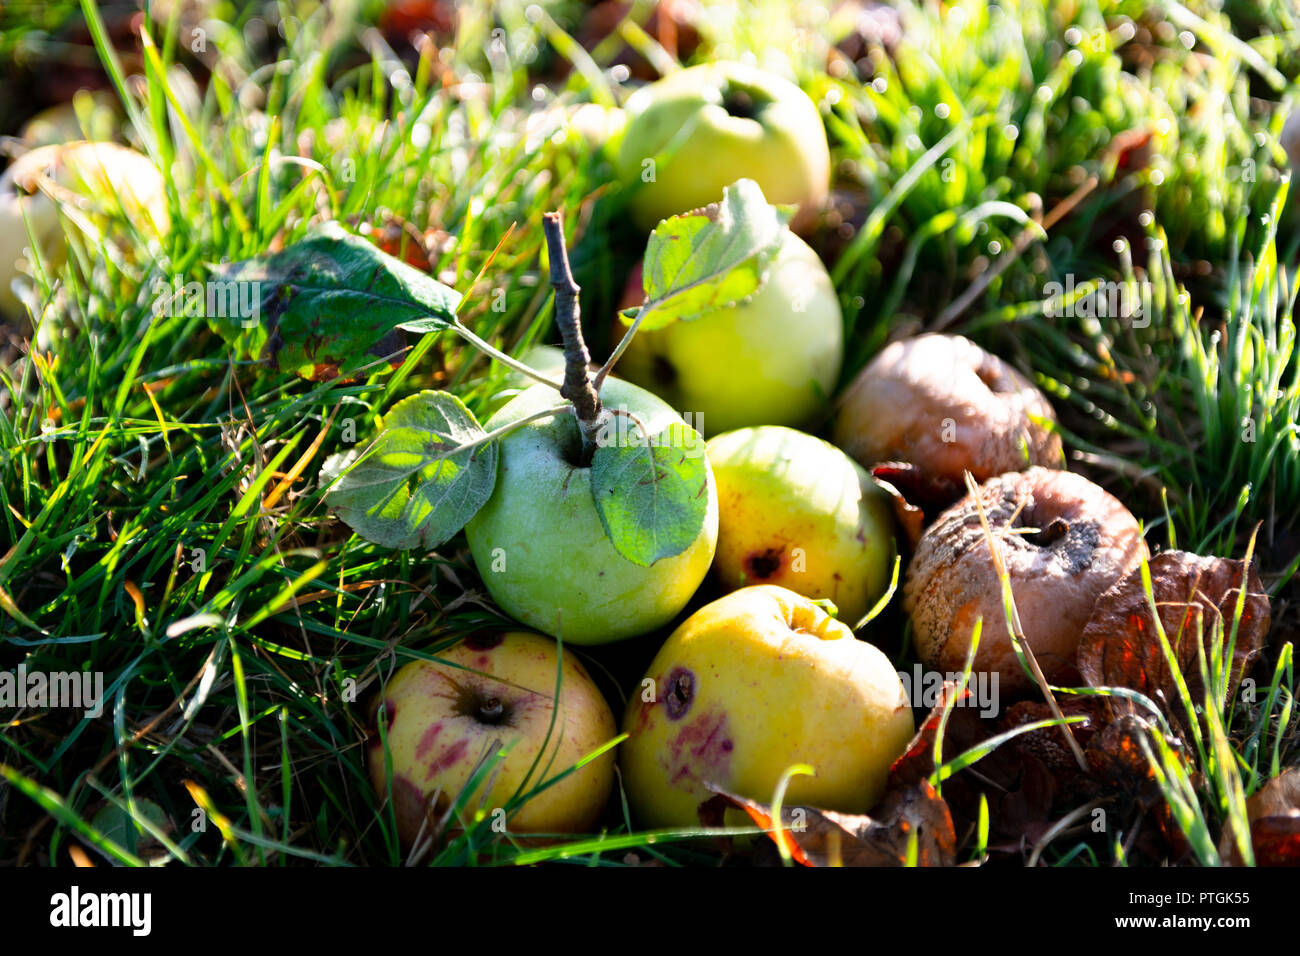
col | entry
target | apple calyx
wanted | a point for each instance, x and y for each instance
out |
(491, 711)
(481, 706)
(744, 102)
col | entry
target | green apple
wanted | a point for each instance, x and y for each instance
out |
(796, 511)
(539, 543)
(92, 182)
(697, 131)
(442, 718)
(771, 360)
(749, 685)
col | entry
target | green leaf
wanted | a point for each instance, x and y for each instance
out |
(404, 491)
(652, 496)
(711, 258)
(327, 305)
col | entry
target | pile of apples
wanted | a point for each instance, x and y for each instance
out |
(765, 678)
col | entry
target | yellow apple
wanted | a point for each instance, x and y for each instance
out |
(770, 360)
(697, 131)
(90, 183)
(796, 511)
(749, 685)
(442, 718)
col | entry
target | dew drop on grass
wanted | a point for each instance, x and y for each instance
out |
(879, 84)
(1146, 218)
(1075, 58)
(1073, 36)
(941, 110)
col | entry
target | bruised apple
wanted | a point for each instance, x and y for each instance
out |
(442, 718)
(749, 685)
(796, 511)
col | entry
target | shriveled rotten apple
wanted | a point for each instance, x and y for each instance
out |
(1063, 541)
(946, 406)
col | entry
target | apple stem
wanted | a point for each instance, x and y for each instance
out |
(577, 387)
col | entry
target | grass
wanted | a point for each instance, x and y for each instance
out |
(157, 496)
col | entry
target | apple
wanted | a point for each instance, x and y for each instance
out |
(61, 123)
(697, 131)
(749, 685)
(598, 128)
(92, 181)
(796, 511)
(442, 718)
(771, 360)
(539, 543)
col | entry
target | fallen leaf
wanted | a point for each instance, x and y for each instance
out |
(909, 517)
(1274, 814)
(826, 838)
(1119, 645)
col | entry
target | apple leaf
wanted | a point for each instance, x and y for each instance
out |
(327, 305)
(652, 496)
(404, 491)
(710, 258)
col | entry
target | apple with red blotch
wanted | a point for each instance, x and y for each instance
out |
(442, 719)
(748, 686)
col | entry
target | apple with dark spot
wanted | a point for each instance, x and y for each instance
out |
(750, 685)
(796, 511)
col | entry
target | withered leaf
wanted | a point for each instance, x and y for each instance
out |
(1119, 645)
(826, 838)
(1274, 814)
(918, 494)
(909, 517)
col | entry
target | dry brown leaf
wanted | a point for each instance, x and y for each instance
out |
(909, 517)
(826, 838)
(1120, 647)
(1274, 814)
